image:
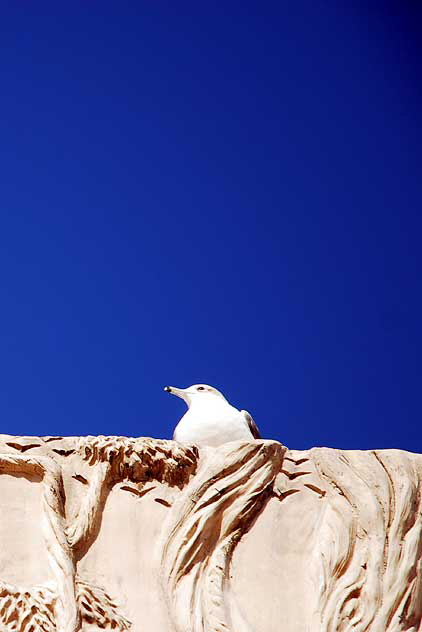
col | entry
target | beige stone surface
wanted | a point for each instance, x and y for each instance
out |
(114, 533)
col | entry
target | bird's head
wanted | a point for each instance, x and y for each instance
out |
(197, 393)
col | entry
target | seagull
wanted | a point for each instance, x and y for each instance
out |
(210, 419)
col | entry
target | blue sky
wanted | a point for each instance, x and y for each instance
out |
(224, 193)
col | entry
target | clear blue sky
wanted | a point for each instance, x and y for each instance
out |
(226, 193)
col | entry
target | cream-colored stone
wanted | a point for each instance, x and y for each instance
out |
(113, 533)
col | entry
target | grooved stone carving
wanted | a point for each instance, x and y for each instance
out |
(116, 533)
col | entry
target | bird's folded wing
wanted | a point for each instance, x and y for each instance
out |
(251, 424)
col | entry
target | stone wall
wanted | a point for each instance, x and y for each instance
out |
(148, 535)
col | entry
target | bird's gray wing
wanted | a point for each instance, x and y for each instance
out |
(251, 424)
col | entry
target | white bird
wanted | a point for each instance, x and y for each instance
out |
(210, 419)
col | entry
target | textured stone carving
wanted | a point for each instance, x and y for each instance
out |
(34, 609)
(138, 534)
(215, 510)
(370, 552)
(44, 468)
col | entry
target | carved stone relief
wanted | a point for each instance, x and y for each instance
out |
(142, 534)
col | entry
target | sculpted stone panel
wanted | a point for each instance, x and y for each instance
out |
(115, 533)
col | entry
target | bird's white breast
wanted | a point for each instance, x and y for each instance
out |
(212, 425)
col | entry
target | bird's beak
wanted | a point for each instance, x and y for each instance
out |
(179, 392)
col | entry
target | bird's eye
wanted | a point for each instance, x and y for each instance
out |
(201, 388)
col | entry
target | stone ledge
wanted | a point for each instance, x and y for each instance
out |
(140, 534)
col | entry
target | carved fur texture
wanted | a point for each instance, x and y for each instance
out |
(142, 459)
(32, 610)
